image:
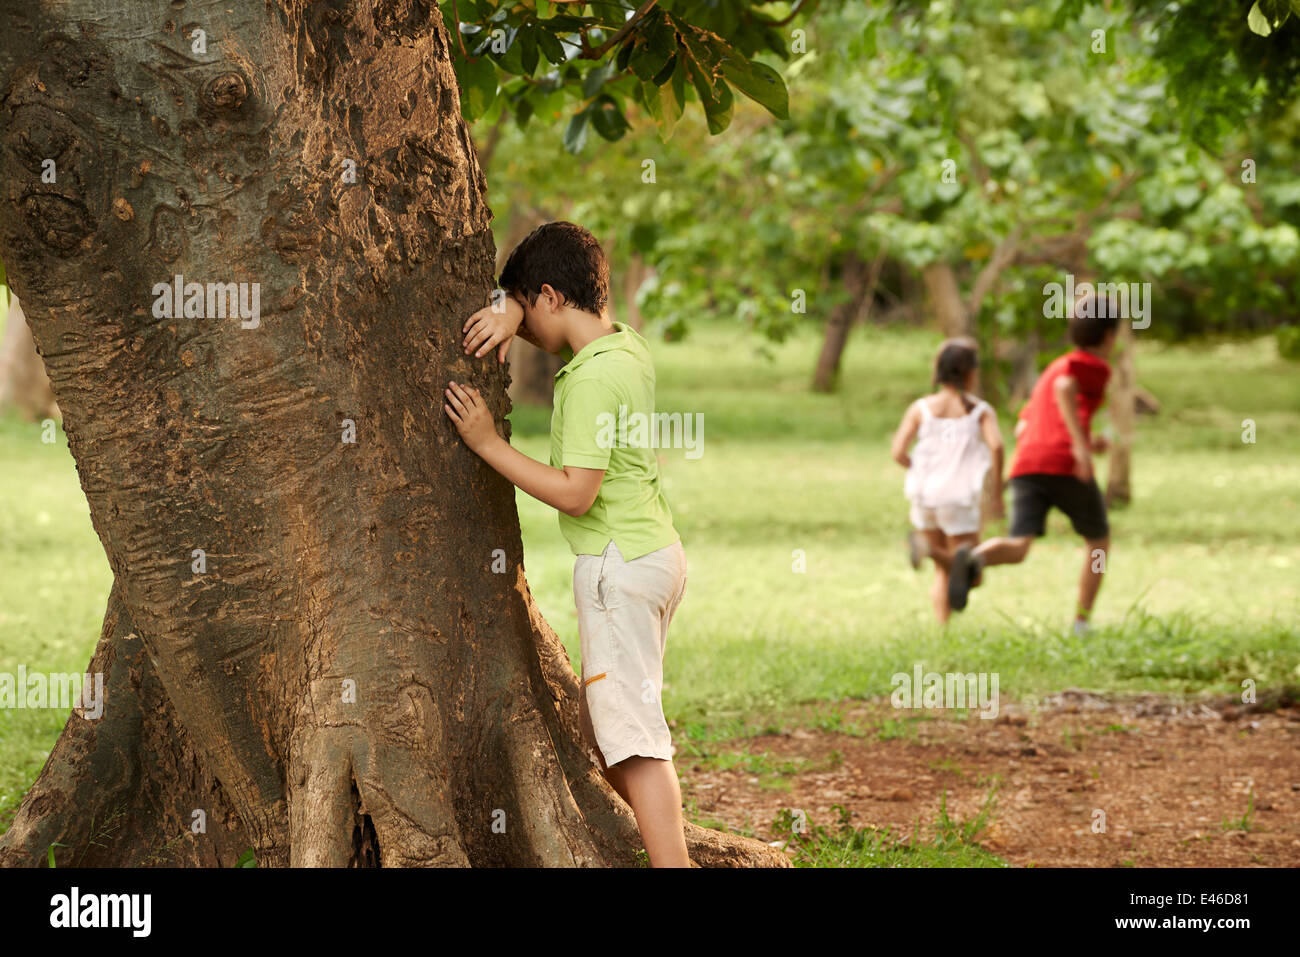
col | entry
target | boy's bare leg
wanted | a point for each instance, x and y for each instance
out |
(1003, 551)
(612, 775)
(1094, 568)
(656, 800)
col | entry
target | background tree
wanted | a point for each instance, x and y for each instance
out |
(974, 153)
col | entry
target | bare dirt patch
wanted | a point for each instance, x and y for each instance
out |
(1174, 780)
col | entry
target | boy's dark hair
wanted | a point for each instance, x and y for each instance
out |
(567, 258)
(956, 360)
(1093, 319)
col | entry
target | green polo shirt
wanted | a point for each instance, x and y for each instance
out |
(599, 395)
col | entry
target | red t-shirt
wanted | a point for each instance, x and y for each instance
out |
(1044, 446)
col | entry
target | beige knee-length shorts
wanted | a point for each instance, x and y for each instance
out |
(624, 609)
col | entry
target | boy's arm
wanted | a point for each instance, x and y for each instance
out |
(907, 430)
(571, 489)
(993, 439)
(1022, 422)
(1066, 391)
(492, 327)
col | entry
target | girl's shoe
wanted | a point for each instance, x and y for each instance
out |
(917, 549)
(964, 575)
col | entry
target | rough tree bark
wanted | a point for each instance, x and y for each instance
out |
(332, 568)
(23, 382)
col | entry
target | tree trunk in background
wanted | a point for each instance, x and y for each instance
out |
(532, 374)
(860, 282)
(631, 275)
(1123, 415)
(23, 382)
(339, 659)
(945, 299)
(1024, 371)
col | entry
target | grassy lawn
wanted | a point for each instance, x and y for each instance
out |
(1204, 584)
(1203, 590)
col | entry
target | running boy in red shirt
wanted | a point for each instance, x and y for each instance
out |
(1053, 461)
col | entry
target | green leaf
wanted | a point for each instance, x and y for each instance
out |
(678, 80)
(1257, 22)
(49, 853)
(760, 83)
(596, 78)
(478, 86)
(607, 118)
(666, 101)
(543, 9)
(656, 44)
(664, 75)
(247, 859)
(551, 46)
(869, 39)
(528, 48)
(523, 112)
(1277, 11)
(715, 96)
(705, 49)
(575, 134)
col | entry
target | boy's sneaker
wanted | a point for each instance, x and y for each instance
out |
(1081, 628)
(917, 548)
(964, 575)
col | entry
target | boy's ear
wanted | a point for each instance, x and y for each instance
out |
(553, 299)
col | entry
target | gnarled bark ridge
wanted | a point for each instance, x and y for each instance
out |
(307, 639)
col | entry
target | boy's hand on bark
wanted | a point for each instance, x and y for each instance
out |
(493, 327)
(466, 408)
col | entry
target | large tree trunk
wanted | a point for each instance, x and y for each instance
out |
(346, 680)
(23, 382)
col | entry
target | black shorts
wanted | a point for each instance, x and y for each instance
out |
(1032, 496)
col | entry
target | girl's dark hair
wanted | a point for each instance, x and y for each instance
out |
(956, 360)
(567, 258)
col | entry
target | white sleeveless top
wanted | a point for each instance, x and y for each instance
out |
(949, 460)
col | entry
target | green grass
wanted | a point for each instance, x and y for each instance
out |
(1247, 821)
(1204, 583)
(951, 842)
(54, 585)
(1203, 590)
